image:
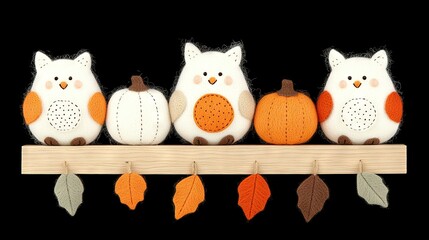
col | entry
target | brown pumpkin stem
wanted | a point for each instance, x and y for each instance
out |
(287, 89)
(137, 84)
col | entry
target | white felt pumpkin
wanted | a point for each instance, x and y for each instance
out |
(138, 115)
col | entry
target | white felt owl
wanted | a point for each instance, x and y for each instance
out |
(359, 104)
(65, 105)
(211, 103)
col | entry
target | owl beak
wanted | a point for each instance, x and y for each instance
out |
(357, 84)
(63, 85)
(212, 80)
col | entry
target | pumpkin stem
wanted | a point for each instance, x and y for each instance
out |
(287, 89)
(137, 84)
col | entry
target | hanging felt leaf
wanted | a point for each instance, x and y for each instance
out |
(69, 190)
(253, 194)
(130, 187)
(312, 195)
(189, 194)
(370, 187)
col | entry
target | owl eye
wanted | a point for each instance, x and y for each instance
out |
(349, 78)
(205, 73)
(220, 74)
(70, 78)
(55, 78)
(364, 77)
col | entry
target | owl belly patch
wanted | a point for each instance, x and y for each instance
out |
(64, 115)
(213, 113)
(358, 114)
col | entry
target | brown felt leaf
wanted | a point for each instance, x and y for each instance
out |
(253, 194)
(312, 195)
(188, 196)
(130, 188)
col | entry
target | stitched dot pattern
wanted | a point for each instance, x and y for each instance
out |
(64, 115)
(269, 121)
(117, 114)
(235, 56)
(141, 107)
(304, 117)
(157, 117)
(44, 63)
(83, 61)
(213, 113)
(275, 125)
(286, 122)
(358, 114)
(141, 117)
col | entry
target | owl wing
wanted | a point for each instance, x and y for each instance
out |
(394, 107)
(32, 107)
(177, 105)
(97, 107)
(246, 105)
(324, 106)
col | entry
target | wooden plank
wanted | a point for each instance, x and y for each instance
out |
(233, 159)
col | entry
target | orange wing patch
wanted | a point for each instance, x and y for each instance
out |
(324, 106)
(97, 107)
(32, 107)
(394, 107)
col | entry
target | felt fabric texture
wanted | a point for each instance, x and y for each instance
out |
(97, 107)
(344, 140)
(177, 105)
(137, 84)
(246, 105)
(51, 141)
(359, 100)
(130, 187)
(80, 141)
(358, 114)
(394, 107)
(253, 194)
(213, 113)
(227, 140)
(372, 141)
(65, 101)
(32, 107)
(324, 106)
(64, 115)
(312, 195)
(371, 187)
(138, 115)
(188, 196)
(286, 116)
(217, 77)
(200, 141)
(68, 190)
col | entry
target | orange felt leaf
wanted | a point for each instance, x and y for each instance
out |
(312, 195)
(130, 188)
(189, 194)
(253, 194)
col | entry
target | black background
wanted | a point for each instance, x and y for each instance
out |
(276, 47)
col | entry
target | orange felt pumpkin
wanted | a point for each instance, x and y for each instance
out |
(285, 116)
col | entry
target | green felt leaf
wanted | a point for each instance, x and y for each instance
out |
(370, 187)
(69, 190)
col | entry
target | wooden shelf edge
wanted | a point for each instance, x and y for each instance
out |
(233, 159)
